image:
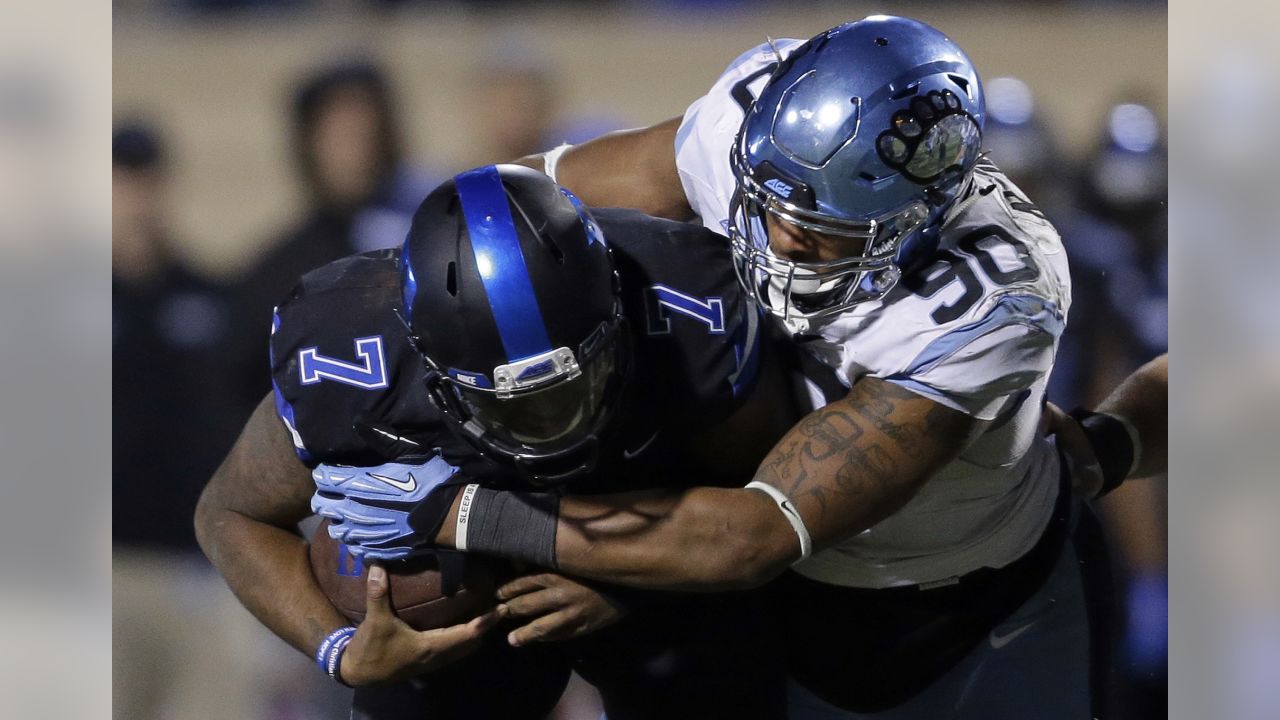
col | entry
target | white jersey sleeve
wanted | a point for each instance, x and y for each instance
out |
(711, 123)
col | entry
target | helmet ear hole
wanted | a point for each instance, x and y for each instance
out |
(451, 279)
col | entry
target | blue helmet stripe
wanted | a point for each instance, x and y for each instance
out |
(408, 282)
(501, 263)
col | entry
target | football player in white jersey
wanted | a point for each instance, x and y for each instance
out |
(846, 170)
(926, 522)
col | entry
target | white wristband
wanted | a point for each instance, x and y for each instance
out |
(464, 515)
(790, 513)
(552, 158)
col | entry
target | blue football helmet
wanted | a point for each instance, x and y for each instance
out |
(511, 298)
(869, 130)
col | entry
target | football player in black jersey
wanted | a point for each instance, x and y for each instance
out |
(530, 344)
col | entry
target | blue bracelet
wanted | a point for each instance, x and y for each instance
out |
(329, 656)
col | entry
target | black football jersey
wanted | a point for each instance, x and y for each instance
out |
(345, 372)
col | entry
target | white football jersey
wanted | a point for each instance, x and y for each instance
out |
(706, 135)
(976, 331)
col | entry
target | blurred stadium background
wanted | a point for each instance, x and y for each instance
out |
(256, 139)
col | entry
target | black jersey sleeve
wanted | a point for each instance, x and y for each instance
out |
(697, 336)
(344, 373)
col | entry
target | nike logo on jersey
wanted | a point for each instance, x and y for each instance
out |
(999, 641)
(406, 485)
(629, 454)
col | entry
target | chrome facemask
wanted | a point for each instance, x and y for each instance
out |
(813, 290)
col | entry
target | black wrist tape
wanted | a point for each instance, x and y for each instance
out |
(514, 525)
(1111, 444)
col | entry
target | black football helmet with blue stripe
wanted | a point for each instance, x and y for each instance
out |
(511, 297)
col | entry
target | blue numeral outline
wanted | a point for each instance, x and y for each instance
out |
(660, 298)
(370, 374)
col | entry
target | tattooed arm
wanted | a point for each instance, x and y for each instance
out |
(845, 467)
(857, 461)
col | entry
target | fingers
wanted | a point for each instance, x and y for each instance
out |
(533, 604)
(560, 625)
(378, 595)
(1053, 419)
(1082, 463)
(524, 584)
(444, 645)
(1077, 453)
(487, 621)
(446, 637)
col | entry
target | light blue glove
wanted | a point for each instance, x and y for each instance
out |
(386, 512)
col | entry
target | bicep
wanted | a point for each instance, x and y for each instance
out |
(858, 460)
(629, 168)
(262, 478)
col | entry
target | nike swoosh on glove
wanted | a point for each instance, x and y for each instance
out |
(388, 511)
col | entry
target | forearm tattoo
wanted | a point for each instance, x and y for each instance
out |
(868, 446)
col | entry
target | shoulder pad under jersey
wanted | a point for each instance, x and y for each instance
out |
(696, 335)
(710, 125)
(343, 370)
(979, 323)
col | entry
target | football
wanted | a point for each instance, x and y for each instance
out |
(417, 592)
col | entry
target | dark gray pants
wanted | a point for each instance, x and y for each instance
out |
(1033, 664)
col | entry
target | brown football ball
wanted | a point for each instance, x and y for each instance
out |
(416, 593)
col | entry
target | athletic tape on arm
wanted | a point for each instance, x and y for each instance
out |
(552, 158)
(1134, 438)
(513, 525)
(1115, 443)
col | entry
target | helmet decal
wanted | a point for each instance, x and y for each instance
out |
(932, 136)
(501, 263)
(471, 379)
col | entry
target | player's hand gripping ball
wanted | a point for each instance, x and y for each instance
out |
(385, 649)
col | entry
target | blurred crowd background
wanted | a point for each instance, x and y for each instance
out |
(254, 140)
